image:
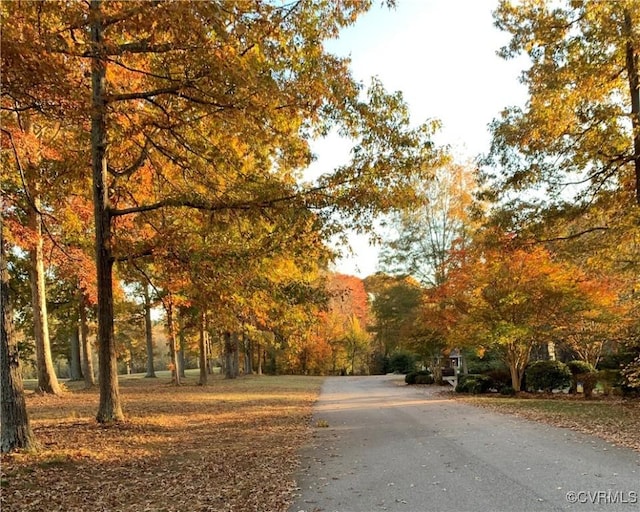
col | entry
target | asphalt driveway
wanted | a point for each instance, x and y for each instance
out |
(393, 447)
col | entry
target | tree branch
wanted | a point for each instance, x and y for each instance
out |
(134, 166)
(574, 235)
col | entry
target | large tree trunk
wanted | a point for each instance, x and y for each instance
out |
(230, 356)
(202, 346)
(47, 380)
(75, 366)
(634, 89)
(87, 350)
(15, 429)
(516, 376)
(110, 408)
(148, 329)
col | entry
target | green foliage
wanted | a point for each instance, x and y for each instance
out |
(579, 371)
(616, 360)
(410, 378)
(424, 378)
(490, 360)
(379, 364)
(578, 367)
(507, 391)
(402, 362)
(474, 383)
(499, 378)
(548, 375)
(421, 377)
(609, 379)
(395, 304)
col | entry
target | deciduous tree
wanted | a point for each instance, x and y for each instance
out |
(580, 129)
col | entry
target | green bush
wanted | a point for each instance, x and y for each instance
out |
(507, 391)
(421, 377)
(609, 379)
(474, 384)
(490, 360)
(578, 369)
(548, 375)
(379, 364)
(499, 378)
(402, 362)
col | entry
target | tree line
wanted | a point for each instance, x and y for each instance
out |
(164, 144)
(171, 159)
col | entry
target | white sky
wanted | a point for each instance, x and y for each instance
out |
(442, 55)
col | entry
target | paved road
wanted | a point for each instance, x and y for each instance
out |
(398, 448)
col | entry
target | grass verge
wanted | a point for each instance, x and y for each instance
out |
(614, 420)
(230, 446)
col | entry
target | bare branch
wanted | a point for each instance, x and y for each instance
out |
(573, 235)
(134, 166)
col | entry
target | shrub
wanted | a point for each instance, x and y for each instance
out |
(474, 384)
(548, 375)
(589, 381)
(578, 369)
(421, 377)
(499, 378)
(507, 391)
(402, 362)
(424, 378)
(609, 379)
(380, 364)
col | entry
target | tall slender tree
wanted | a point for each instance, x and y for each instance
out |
(16, 431)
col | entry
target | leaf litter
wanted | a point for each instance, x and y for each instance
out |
(229, 446)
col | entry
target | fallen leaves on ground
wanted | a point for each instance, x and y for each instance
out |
(615, 420)
(230, 446)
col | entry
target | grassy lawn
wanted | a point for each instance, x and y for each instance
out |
(230, 446)
(615, 420)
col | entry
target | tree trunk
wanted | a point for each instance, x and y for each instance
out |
(436, 369)
(259, 359)
(47, 380)
(75, 367)
(236, 354)
(148, 329)
(87, 350)
(181, 346)
(248, 355)
(516, 376)
(634, 89)
(110, 408)
(15, 432)
(202, 348)
(230, 356)
(173, 349)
